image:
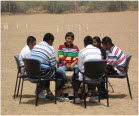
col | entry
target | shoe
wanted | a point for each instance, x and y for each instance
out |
(77, 100)
(62, 99)
(96, 97)
(92, 99)
(49, 96)
(70, 97)
(42, 94)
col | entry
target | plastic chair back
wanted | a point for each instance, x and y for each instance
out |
(32, 67)
(95, 69)
(128, 57)
(18, 63)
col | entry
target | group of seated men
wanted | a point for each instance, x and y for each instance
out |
(69, 58)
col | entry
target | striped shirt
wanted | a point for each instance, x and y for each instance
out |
(115, 57)
(72, 53)
(90, 52)
(44, 53)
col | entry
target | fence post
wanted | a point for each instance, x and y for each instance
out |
(26, 26)
(57, 29)
(79, 27)
(17, 26)
(87, 27)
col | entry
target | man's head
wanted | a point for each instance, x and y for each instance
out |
(107, 43)
(69, 38)
(49, 38)
(88, 40)
(31, 42)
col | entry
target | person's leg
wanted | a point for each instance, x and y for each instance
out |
(76, 85)
(61, 80)
(63, 68)
(91, 89)
(46, 86)
(75, 82)
(42, 87)
(110, 70)
(75, 66)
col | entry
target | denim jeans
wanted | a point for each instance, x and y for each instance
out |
(61, 80)
(65, 69)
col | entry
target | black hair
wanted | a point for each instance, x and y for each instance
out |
(106, 40)
(98, 40)
(47, 37)
(69, 34)
(30, 40)
(88, 40)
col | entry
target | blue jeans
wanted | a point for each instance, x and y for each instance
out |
(65, 69)
(61, 80)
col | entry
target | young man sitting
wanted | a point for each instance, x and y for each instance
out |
(115, 57)
(89, 52)
(45, 53)
(68, 53)
(26, 51)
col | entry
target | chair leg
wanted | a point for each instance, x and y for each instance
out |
(37, 88)
(16, 85)
(107, 91)
(21, 90)
(99, 92)
(74, 93)
(73, 81)
(84, 95)
(111, 87)
(55, 90)
(129, 88)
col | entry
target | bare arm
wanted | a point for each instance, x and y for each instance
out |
(73, 64)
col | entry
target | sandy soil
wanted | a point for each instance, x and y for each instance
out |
(122, 27)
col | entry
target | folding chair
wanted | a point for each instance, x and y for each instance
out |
(33, 71)
(124, 75)
(19, 75)
(94, 70)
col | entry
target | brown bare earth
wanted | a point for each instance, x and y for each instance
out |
(122, 27)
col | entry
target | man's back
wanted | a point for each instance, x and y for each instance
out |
(115, 56)
(44, 53)
(25, 53)
(90, 52)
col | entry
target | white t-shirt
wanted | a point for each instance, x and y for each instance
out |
(90, 52)
(25, 53)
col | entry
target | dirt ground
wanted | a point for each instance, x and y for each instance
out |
(122, 27)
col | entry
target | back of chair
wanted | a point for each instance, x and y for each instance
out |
(32, 67)
(95, 69)
(17, 62)
(128, 57)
